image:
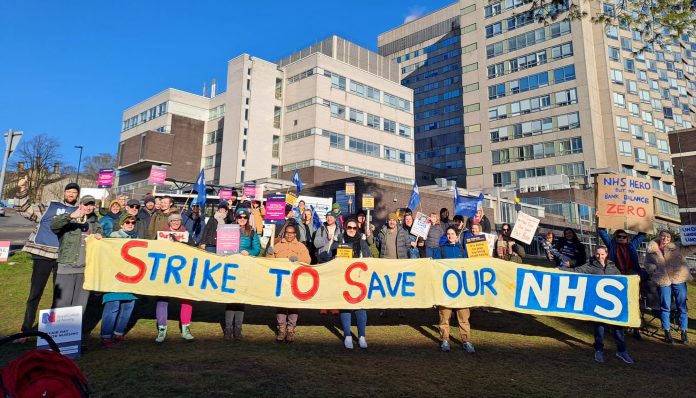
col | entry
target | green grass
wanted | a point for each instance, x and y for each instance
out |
(517, 355)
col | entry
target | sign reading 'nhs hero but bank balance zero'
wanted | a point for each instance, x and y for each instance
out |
(169, 269)
(624, 203)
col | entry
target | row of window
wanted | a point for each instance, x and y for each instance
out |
(530, 38)
(218, 111)
(574, 171)
(525, 18)
(152, 113)
(532, 82)
(435, 85)
(213, 137)
(531, 60)
(436, 59)
(536, 127)
(337, 166)
(531, 105)
(494, 9)
(438, 111)
(433, 47)
(639, 154)
(540, 150)
(437, 98)
(456, 121)
(431, 73)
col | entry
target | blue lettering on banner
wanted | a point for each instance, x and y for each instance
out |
(604, 297)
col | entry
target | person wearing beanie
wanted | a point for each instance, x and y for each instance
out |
(327, 237)
(109, 221)
(42, 244)
(145, 214)
(209, 242)
(336, 208)
(392, 241)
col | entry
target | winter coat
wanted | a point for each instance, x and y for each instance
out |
(210, 233)
(485, 224)
(594, 267)
(110, 223)
(286, 249)
(158, 222)
(69, 231)
(325, 248)
(195, 227)
(120, 296)
(302, 233)
(573, 250)
(434, 235)
(633, 246)
(250, 243)
(403, 242)
(365, 251)
(669, 268)
(452, 250)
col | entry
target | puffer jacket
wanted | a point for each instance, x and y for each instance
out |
(69, 233)
(250, 243)
(403, 242)
(325, 247)
(669, 268)
(434, 235)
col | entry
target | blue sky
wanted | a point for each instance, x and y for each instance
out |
(69, 68)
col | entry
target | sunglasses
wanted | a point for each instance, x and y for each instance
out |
(242, 216)
(622, 236)
(351, 228)
(505, 229)
(129, 222)
(134, 206)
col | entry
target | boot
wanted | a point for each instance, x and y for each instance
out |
(282, 333)
(668, 337)
(186, 332)
(290, 337)
(229, 333)
(684, 337)
(161, 334)
(238, 333)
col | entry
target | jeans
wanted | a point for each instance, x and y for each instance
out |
(361, 319)
(599, 337)
(42, 269)
(211, 249)
(679, 292)
(433, 252)
(115, 317)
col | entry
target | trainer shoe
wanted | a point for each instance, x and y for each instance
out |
(468, 347)
(362, 342)
(625, 357)
(445, 346)
(186, 332)
(599, 356)
(161, 334)
(348, 342)
(684, 337)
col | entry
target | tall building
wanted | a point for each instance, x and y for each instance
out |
(499, 98)
(330, 111)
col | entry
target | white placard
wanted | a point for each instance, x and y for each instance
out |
(688, 235)
(64, 325)
(4, 250)
(490, 239)
(525, 228)
(321, 205)
(421, 225)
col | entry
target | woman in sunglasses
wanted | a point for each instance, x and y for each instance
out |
(507, 248)
(622, 252)
(249, 245)
(353, 238)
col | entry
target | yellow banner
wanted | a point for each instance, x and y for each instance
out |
(170, 269)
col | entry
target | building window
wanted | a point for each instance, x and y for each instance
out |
(276, 117)
(373, 121)
(625, 148)
(474, 171)
(639, 155)
(276, 146)
(389, 126)
(356, 116)
(364, 147)
(337, 110)
(335, 140)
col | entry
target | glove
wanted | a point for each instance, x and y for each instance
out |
(270, 250)
(293, 258)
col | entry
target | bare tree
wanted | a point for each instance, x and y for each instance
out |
(39, 155)
(92, 164)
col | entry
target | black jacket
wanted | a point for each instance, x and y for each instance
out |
(595, 268)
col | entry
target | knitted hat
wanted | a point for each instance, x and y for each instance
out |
(72, 185)
(332, 214)
(114, 202)
(149, 200)
(174, 216)
(242, 211)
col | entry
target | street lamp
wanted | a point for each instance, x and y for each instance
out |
(79, 162)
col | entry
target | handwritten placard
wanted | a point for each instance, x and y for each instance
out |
(525, 228)
(688, 235)
(421, 225)
(175, 235)
(624, 203)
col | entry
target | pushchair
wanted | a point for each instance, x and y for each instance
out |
(42, 373)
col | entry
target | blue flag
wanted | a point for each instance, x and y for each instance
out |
(466, 206)
(297, 181)
(415, 197)
(316, 221)
(199, 187)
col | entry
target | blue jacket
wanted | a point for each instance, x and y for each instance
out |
(109, 224)
(195, 228)
(633, 246)
(250, 243)
(452, 250)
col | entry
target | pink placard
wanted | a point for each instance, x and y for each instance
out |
(249, 190)
(105, 179)
(227, 239)
(225, 194)
(4, 250)
(275, 208)
(157, 175)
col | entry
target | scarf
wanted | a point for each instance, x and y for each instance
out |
(623, 259)
(113, 215)
(354, 242)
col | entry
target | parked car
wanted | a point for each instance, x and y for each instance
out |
(2, 210)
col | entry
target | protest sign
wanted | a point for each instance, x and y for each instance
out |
(624, 203)
(227, 239)
(350, 188)
(477, 246)
(64, 325)
(688, 235)
(157, 175)
(249, 190)
(275, 208)
(525, 228)
(161, 268)
(344, 251)
(490, 239)
(368, 202)
(421, 225)
(4, 250)
(105, 178)
(176, 235)
(321, 205)
(225, 194)
(291, 199)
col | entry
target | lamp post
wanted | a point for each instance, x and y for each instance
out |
(79, 163)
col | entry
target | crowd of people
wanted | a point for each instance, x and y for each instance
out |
(300, 239)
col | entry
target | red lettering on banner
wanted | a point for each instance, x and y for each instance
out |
(304, 296)
(133, 260)
(350, 281)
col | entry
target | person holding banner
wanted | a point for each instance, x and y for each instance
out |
(249, 245)
(393, 241)
(570, 246)
(289, 247)
(209, 242)
(666, 263)
(42, 244)
(162, 309)
(454, 249)
(601, 265)
(361, 249)
(194, 224)
(144, 215)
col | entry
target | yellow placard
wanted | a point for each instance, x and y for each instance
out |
(350, 189)
(368, 202)
(477, 247)
(170, 269)
(344, 252)
(291, 199)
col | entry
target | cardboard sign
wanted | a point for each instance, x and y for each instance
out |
(477, 246)
(182, 237)
(4, 250)
(291, 199)
(625, 203)
(421, 225)
(368, 202)
(525, 228)
(344, 252)
(64, 325)
(227, 239)
(688, 235)
(350, 188)
(105, 179)
(275, 208)
(157, 175)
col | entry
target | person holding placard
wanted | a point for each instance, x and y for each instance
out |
(506, 247)
(159, 219)
(210, 232)
(665, 261)
(454, 249)
(289, 247)
(481, 219)
(249, 245)
(570, 246)
(355, 240)
(326, 238)
(368, 231)
(414, 241)
(258, 211)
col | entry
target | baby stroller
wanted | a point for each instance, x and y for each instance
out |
(42, 373)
